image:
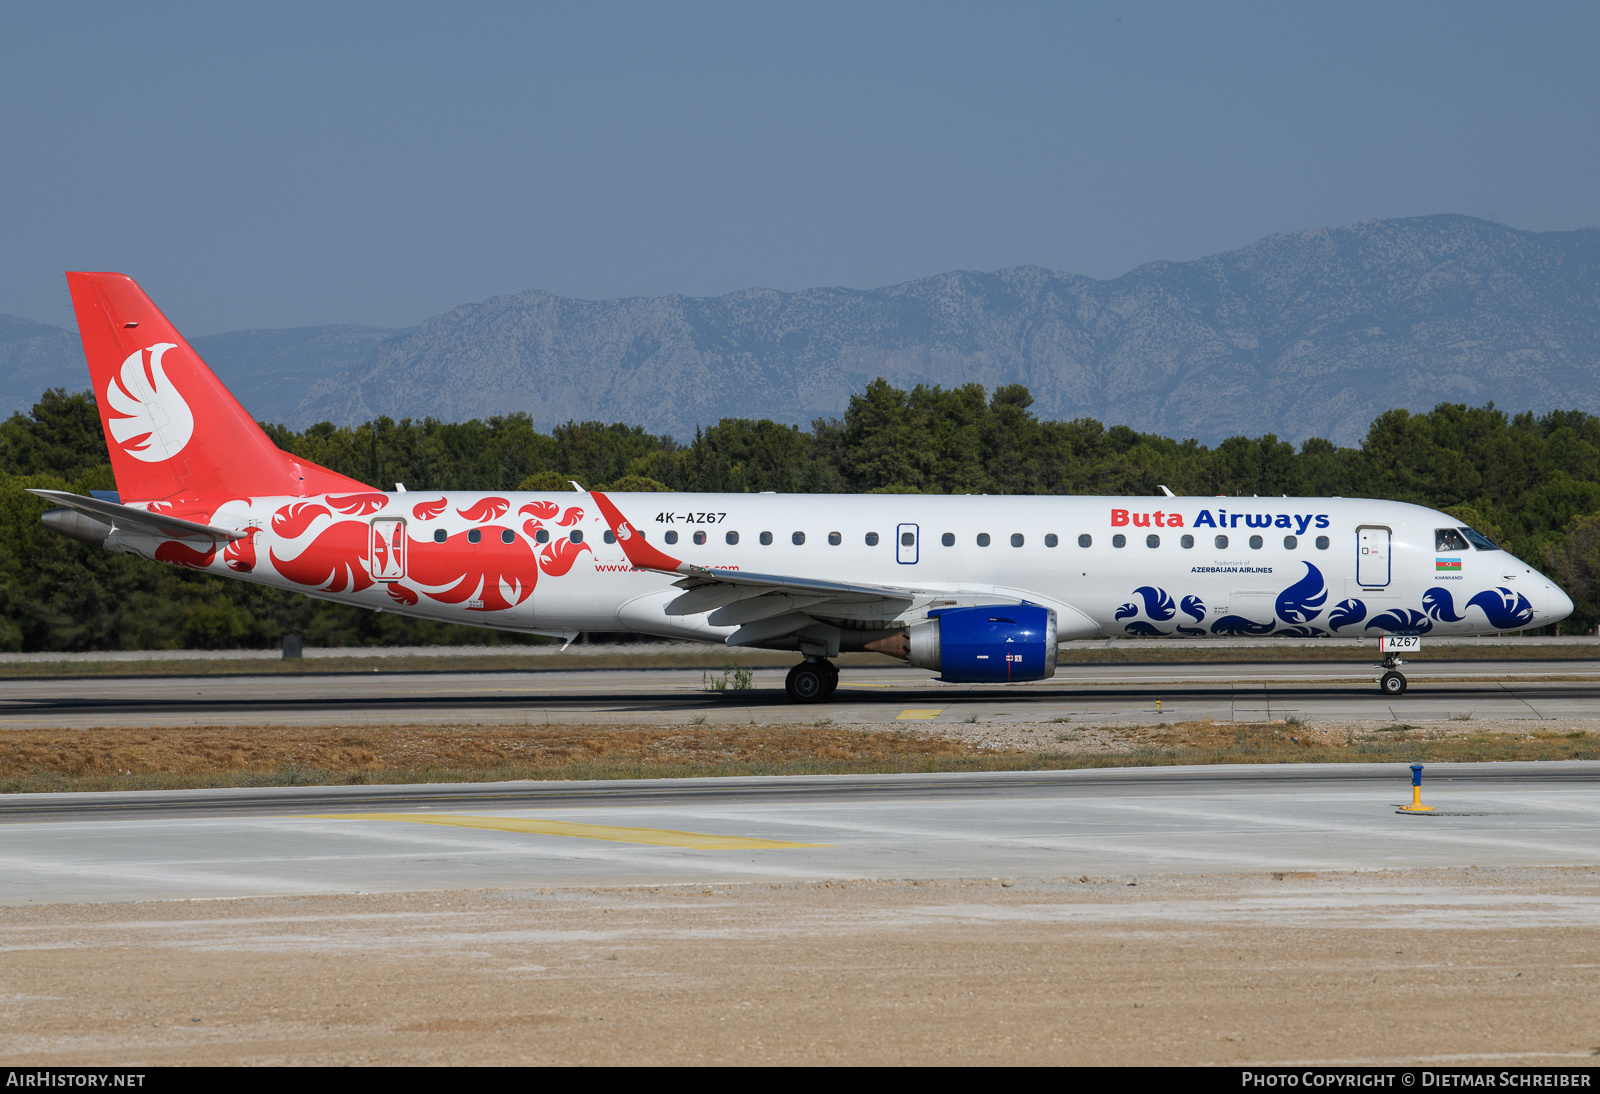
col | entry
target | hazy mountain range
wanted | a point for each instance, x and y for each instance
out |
(1308, 333)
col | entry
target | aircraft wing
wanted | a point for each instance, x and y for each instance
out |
(126, 516)
(762, 606)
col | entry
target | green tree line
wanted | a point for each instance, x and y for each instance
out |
(1531, 483)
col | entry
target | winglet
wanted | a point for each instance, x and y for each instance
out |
(640, 553)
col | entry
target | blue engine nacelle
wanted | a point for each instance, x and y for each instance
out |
(989, 644)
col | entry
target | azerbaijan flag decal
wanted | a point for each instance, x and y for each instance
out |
(1447, 565)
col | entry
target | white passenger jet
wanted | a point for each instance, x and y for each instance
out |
(979, 589)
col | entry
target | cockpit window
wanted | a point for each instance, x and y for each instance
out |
(1479, 540)
(1448, 539)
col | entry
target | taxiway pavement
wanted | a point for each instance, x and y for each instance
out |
(71, 848)
(1232, 691)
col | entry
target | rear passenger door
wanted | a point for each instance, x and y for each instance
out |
(387, 555)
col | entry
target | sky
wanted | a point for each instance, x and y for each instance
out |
(293, 164)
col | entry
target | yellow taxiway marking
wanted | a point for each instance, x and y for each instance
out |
(918, 715)
(656, 837)
(514, 687)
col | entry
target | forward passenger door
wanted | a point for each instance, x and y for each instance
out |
(1372, 561)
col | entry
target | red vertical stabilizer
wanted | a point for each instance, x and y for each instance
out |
(172, 428)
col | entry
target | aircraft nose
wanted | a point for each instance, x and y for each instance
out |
(1559, 603)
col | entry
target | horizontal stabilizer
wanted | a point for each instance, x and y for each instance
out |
(126, 516)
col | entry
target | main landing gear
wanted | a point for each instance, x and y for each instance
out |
(812, 680)
(1392, 683)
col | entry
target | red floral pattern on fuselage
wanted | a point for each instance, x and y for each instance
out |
(427, 510)
(544, 510)
(240, 555)
(501, 575)
(556, 559)
(181, 554)
(358, 505)
(486, 509)
(334, 563)
(293, 519)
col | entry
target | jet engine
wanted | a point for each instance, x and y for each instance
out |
(987, 644)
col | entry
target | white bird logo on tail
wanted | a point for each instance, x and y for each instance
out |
(157, 423)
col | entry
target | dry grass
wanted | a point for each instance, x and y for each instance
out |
(106, 759)
(215, 756)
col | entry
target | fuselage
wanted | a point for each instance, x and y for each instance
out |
(1188, 566)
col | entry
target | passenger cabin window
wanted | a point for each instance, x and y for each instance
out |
(1187, 541)
(872, 539)
(1448, 539)
(439, 535)
(834, 539)
(475, 535)
(732, 538)
(1085, 540)
(1119, 541)
(1016, 539)
(508, 536)
(798, 539)
(1478, 540)
(1051, 540)
(1222, 543)
(1255, 543)
(1322, 543)
(699, 539)
(948, 539)
(983, 539)
(766, 539)
(1152, 541)
(670, 537)
(543, 536)
(576, 535)
(1290, 542)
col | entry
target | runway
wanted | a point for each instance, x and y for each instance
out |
(1123, 823)
(1235, 691)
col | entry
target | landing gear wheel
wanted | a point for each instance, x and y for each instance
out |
(1392, 684)
(811, 681)
(833, 680)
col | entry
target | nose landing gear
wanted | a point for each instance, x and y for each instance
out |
(1392, 683)
(812, 681)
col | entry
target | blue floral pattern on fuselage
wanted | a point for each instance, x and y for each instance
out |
(1302, 602)
(1299, 608)
(1345, 613)
(1440, 605)
(1401, 621)
(1505, 609)
(1194, 608)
